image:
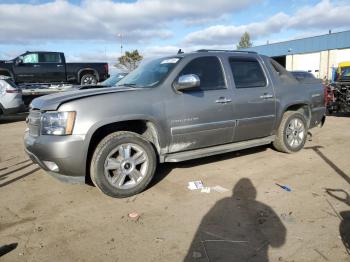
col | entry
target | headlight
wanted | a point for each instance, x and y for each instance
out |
(57, 123)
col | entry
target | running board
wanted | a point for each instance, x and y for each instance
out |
(209, 151)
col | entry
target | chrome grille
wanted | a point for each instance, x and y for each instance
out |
(33, 122)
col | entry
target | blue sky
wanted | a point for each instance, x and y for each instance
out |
(89, 29)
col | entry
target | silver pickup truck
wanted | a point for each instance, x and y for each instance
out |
(171, 109)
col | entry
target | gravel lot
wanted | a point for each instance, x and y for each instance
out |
(42, 219)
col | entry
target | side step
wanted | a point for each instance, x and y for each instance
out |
(209, 151)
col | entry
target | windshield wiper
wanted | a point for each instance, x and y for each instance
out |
(128, 85)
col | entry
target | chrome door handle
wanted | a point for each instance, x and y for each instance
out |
(59, 65)
(36, 65)
(266, 96)
(223, 100)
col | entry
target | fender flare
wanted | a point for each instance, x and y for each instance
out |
(81, 71)
(296, 103)
(115, 120)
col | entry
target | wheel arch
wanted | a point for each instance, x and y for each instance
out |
(144, 127)
(88, 70)
(6, 72)
(302, 107)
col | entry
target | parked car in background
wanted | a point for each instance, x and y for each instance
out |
(301, 75)
(171, 109)
(51, 67)
(30, 92)
(112, 81)
(10, 97)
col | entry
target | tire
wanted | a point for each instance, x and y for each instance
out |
(289, 139)
(116, 166)
(88, 79)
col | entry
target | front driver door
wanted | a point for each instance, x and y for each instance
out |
(201, 117)
(29, 70)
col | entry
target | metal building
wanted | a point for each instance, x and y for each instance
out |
(318, 54)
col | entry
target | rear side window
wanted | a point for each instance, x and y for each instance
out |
(247, 73)
(50, 58)
(209, 71)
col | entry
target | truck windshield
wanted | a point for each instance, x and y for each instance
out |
(345, 73)
(150, 73)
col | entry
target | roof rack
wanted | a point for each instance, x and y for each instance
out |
(220, 50)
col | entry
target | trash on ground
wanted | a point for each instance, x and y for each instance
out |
(194, 185)
(219, 189)
(196, 254)
(288, 217)
(284, 187)
(205, 190)
(133, 215)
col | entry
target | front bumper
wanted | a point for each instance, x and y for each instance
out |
(14, 110)
(65, 151)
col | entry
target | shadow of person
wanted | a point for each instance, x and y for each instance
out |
(344, 227)
(237, 228)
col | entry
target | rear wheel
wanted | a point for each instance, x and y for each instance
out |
(292, 132)
(123, 164)
(88, 79)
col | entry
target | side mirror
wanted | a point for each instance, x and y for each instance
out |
(19, 61)
(187, 82)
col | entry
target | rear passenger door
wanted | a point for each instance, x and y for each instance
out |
(253, 99)
(52, 67)
(201, 117)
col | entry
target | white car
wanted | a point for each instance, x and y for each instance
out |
(10, 97)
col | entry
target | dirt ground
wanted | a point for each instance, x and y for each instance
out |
(42, 219)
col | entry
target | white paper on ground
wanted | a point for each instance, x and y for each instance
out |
(205, 190)
(194, 185)
(219, 189)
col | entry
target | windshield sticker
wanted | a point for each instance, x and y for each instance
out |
(170, 61)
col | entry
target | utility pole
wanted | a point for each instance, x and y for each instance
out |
(121, 43)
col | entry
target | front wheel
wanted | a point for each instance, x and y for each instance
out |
(292, 132)
(123, 164)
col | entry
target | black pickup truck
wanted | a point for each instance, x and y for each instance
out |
(51, 68)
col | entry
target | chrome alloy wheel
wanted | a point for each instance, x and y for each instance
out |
(89, 80)
(126, 166)
(295, 132)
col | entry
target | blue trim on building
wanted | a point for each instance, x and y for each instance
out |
(320, 43)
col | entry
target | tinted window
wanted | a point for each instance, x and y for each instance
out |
(247, 73)
(50, 58)
(30, 58)
(209, 71)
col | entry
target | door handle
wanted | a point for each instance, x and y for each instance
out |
(59, 65)
(223, 100)
(36, 65)
(266, 96)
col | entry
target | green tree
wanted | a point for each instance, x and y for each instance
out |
(245, 41)
(129, 61)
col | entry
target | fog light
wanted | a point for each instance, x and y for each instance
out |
(51, 165)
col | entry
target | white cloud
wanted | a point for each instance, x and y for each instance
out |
(104, 19)
(323, 16)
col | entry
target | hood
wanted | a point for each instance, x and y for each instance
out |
(53, 101)
(6, 61)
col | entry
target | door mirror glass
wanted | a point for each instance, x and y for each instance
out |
(19, 61)
(186, 82)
